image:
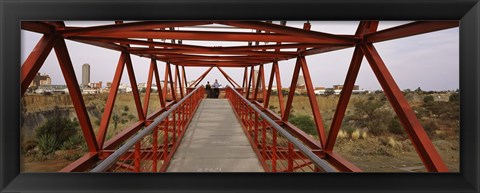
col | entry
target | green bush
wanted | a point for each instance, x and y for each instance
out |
(58, 128)
(428, 98)
(125, 108)
(47, 144)
(430, 126)
(73, 142)
(305, 123)
(395, 127)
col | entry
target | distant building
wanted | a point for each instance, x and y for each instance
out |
(40, 80)
(95, 85)
(85, 74)
(109, 84)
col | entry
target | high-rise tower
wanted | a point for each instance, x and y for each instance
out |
(85, 74)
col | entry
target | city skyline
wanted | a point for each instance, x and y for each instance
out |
(408, 59)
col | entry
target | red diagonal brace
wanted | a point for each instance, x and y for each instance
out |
(102, 131)
(75, 94)
(427, 152)
(35, 60)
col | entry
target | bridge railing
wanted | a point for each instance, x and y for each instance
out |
(277, 149)
(152, 148)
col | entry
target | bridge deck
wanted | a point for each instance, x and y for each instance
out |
(215, 142)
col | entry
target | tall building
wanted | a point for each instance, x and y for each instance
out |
(85, 74)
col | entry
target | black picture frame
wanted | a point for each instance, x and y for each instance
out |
(12, 12)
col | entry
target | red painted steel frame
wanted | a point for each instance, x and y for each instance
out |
(119, 37)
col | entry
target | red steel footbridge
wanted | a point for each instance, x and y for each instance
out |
(237, 132)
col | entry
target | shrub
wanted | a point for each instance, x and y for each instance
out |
(430, 126)
(455, 97)
(305, 123)
(124, 114)
(125, 108)
(59, 128)
(47, 144)
(428, 98)
(130, 117)
(395, 127)
(73, 142)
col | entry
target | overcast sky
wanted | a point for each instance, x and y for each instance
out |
(429, 61)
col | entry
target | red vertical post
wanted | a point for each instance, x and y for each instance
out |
(35, 60)
(133, 82)
(155, 149)
(107, 112)
(165, 138)
(136, 156)
(75, 94)
(313, 101)
(290, 157)
(274, 150)
(427, 152)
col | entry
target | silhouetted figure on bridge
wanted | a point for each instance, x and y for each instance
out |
(208, 88)
(216, 90)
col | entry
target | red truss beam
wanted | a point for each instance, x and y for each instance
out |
(232, 82)
(414, 28)
(35, 60)
(418, 136)
(133, 26)
(212, 36)
(151, 44)
(39, 27)
(280, 29)
(159, 51)
(75, 94)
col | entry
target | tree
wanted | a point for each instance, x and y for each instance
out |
(419, 90)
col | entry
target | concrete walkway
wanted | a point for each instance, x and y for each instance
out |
(215, 142)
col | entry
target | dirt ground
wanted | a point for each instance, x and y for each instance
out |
(372, 155)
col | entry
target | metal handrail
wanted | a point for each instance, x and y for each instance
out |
(112, 159)
(315, 159)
